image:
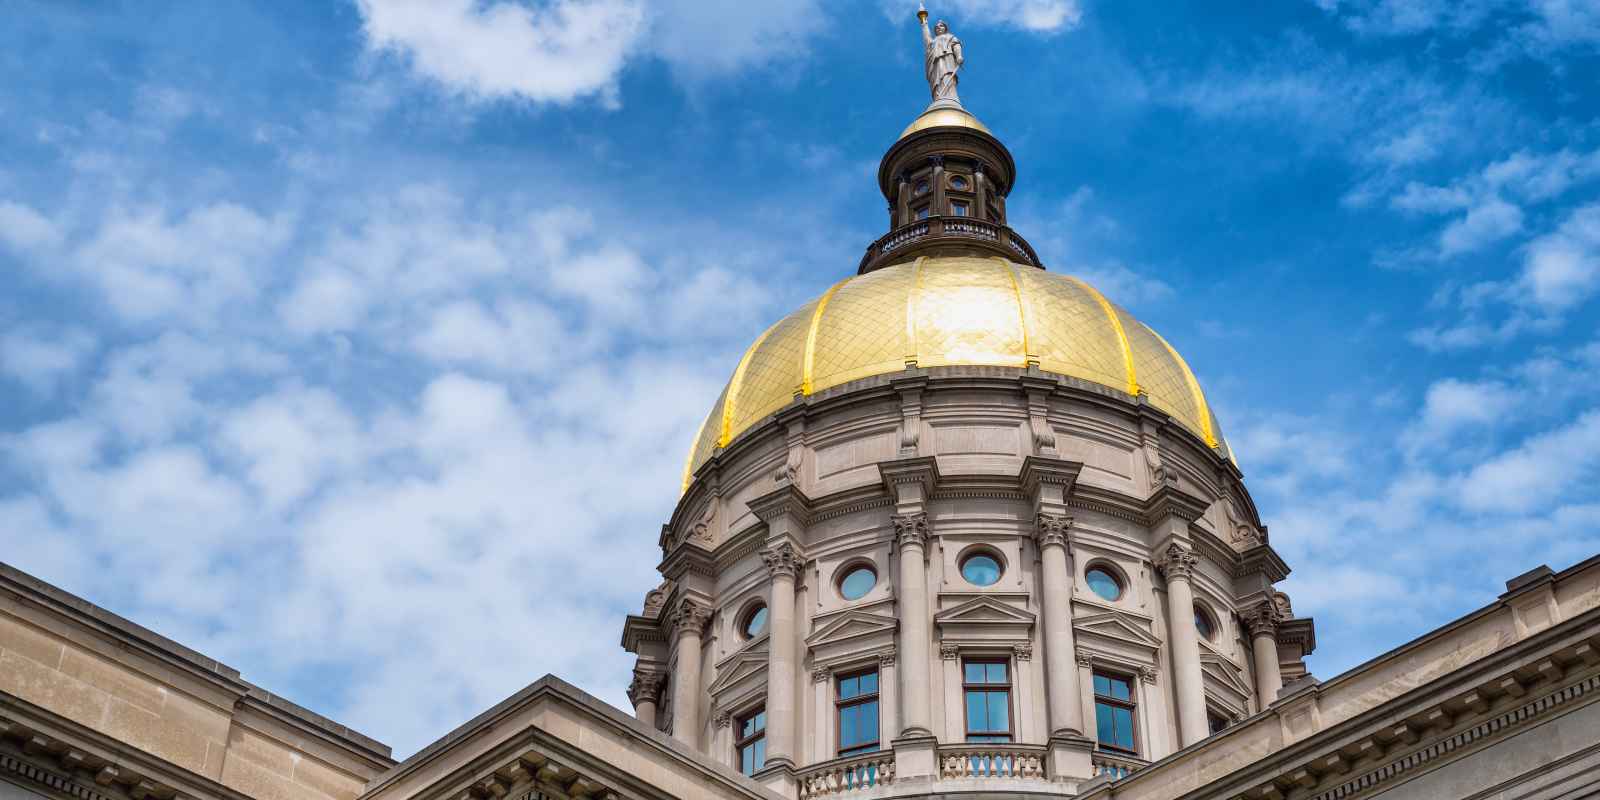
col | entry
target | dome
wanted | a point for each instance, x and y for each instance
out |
(946, 115)
(947, 311)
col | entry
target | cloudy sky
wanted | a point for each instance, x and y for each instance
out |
(358, 343)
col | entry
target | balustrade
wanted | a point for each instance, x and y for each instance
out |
(1118, 767)
(1002, 760)
(846, 775)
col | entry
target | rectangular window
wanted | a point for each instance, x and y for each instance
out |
(1113, 712)
(857, 705)
(752, 743)
(922, 213)
(960, 209)
(1215, 722)
(986, 685)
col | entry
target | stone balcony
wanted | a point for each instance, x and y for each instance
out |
(961, 768)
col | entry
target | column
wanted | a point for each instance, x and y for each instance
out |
(1262, 621)
(645, 693)
(940, 207)
(911, 535)
(783, 563)
(1052, 533)
(688, 622)
(1178, 563)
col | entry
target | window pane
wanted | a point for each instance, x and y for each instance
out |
(760, 748)
(981, 570)
(997, 673)
(1122, 719)
(757, 623)
(975, 706)
(999, 711)
(1101, 583)
(848, 688)
(1103, 729)
(747, 728)
(747, 763)
(1102, 685)
(974, 673)
(858, 583)
(869, 683)
(1119, 689)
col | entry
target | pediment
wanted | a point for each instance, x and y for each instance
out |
(1115, 626)
(852, 626)
(1223, 671)
(748, 663)
(984, 611)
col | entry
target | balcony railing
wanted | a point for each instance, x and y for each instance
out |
(1013, 761)
(1116, 766)
(907, 240)
(847, 775)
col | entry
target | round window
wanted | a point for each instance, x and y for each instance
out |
(1103, 583)
(958, 183)
(1203, 624)
(980, 569)
(921, 188)
(857, 582)
(755, 622)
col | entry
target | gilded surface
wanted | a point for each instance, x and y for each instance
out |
(950, 311)
(944, 117)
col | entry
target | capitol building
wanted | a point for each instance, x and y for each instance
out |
(959, 527)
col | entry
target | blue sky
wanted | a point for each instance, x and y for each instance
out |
(359, 343)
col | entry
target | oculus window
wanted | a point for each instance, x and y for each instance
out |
(1113, 712)
(1103, 583)
(755, 622)
(986, 688)
(752, 743)
(857, 707)
(1203, 624)
(857, 581)
(981, 569)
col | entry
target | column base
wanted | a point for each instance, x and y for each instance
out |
(779, 777)
(915, 756)
(1070, 757)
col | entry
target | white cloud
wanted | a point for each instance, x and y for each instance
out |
(1489, 221)
(514, 337)
(1562, 269)
(40, 358)
(25, 229)
(1537, 472)
(552, 51)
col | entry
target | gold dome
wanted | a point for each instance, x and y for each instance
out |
(940, 116)
(947, 311)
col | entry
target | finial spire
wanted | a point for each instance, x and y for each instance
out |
(942, 60)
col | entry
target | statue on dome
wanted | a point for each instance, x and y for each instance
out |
(942, 51)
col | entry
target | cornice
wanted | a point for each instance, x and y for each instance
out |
(923, 470)
(1108, 502)
(1170, 501)
(1041, 471)
(784, 501)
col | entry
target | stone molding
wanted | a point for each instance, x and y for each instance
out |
(782, 560)
(821, 675)
(786, 500)
(1049, 529)
(886, 658)
(723, 719)
(1023, 651)
(911, 530)
(949, 651)
(1177, 562)
(1148, 674)
(1083, 659)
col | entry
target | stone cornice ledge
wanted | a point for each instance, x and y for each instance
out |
(1415, 730)
(551, 689)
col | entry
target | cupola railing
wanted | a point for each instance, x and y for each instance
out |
(941, 235)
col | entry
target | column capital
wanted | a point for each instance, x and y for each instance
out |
(911, 530)
(1262, 618)
(949, 651)
(646, 686)
(1147, 674)
(1177, 562)
(1023, 651)
(1050, 529)
(782, 560)
(690, 617)
(886, 658)
(821, 675)
(1084, 659)
(723, 719)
